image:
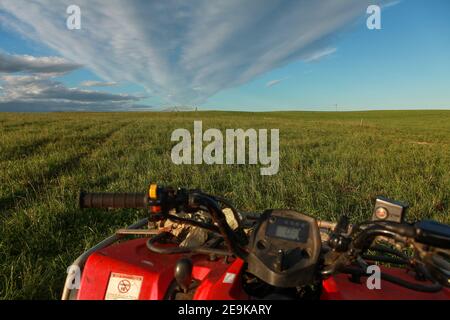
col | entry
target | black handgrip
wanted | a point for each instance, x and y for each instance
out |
(113, 200)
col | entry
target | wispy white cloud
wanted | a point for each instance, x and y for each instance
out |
(320, 54)
(391, 3)
(185, 51)
(274, 82)
(90, 83)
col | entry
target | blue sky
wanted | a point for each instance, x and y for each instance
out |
(406, 64)
(222, 59)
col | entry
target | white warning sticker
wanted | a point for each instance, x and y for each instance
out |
(229, 277)
(123, 287)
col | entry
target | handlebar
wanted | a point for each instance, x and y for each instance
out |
(166, 199)
(113, 200)
(346, 241)
(427, 232)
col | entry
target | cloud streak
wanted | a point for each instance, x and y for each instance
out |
(42, 93)
(25, 63)
(391, 3)
(185, 51)
(90, 83)
(316, 56)
(273, 82)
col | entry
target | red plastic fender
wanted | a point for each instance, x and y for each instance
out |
(129, 270)
(339, 287)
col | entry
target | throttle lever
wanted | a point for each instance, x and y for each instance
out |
(342, 225)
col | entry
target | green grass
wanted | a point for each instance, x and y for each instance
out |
(330, 164)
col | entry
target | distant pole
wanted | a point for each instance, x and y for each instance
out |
(336, 106)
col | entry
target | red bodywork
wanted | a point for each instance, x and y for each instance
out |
(218, 280)
(134, 259)
(339, 287)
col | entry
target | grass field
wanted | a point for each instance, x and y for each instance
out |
(330, 164)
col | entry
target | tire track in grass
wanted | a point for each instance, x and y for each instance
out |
(54, 171)
(43, 216)
(95, 164)
(18, 152)
(100, 156)
(19, 140)
(14, 127)
(26, 149)
(37, 185)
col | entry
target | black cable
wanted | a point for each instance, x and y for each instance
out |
(231, 239)
(384, 259)
(385, 249)
(365, 238)
(435, 287)
(179, 250)
(226, 202)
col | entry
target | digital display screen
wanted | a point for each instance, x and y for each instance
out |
(287, 233)
(288, 229)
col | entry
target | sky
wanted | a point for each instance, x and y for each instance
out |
(253, 55)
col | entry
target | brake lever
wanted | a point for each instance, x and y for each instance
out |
(337, 240)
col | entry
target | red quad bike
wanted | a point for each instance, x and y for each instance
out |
(277, 254)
